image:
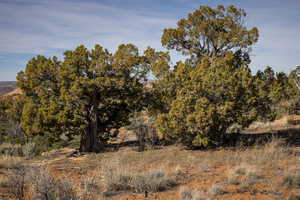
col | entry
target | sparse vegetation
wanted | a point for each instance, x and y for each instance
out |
(188, 194)
(134, 173)
(294, 197)
(217, 189)
(89, 187)
(292, 179)
(211, 101)
(17, 182)
(232, 178)
(10, 162)
(152, 181)
(46, 187)
(10, 149)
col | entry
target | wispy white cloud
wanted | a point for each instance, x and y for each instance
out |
(43, 26)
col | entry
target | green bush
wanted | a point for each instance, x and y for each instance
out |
(216, 95)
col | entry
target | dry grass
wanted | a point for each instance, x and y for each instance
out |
(257, 171)
(11, 149)
(261, 156)
(217, 189)
(233, 178)
(118, 179)
(90, 188)
(294, 197)
(24, 180)
(10, 162)
(17, 182)
(186, 193)
(292, 179)
(47, 187)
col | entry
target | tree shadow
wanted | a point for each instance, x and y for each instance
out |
(135, 144)
(291, 136)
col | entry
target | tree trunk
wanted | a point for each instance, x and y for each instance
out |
(89, 140)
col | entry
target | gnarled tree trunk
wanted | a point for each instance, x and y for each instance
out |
(89, 140)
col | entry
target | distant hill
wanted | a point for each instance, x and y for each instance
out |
(7, 86)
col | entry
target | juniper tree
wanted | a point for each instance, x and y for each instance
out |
(215, 96)
(214, 88)
(90, 93)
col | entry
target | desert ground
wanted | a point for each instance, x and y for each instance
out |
(262, 171)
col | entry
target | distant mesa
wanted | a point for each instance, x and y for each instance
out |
(15, 92)
(9, 89)
(7, 86)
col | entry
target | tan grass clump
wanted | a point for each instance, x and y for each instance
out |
(217, 189)
(10, 162)
(186, 193)
(119, 178)
(47, 187)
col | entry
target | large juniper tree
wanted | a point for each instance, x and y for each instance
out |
(214, 88)
(91, 93)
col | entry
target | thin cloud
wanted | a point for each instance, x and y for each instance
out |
(60, 25)
(279, 39)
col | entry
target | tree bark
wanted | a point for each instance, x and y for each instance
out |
(89, 140)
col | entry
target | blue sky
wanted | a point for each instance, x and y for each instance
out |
(49, 27)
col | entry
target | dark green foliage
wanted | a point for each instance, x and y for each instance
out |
(89, 93)
(203, 97)
(215, 95)
(92, 93)
(276, 90)
(10, 112)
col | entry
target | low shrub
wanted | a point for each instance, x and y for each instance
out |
(233, 179)
(246, 174)
(46, 187)
(30, 150)
(152, 181)
(186, 193)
